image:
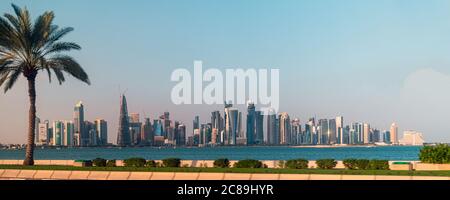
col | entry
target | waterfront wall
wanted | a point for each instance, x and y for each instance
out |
(209, 163)
(11, 174)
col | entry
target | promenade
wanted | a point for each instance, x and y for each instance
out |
(12, 174)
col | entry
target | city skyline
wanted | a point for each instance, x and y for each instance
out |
(378, 61)
(226, 130)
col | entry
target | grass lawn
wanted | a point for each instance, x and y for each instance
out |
(235, 170)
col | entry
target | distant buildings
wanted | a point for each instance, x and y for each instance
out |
(226, 129)
(394, 133)
(412, 138)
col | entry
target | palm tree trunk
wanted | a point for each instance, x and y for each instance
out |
(31, 123)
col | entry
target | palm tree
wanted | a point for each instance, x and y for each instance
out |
(26, 49)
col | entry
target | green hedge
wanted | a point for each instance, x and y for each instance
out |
(439, 154)
(171, 162)
(151, 163)
(111, 163)
(222, 163)
(364, 164)
(99, 162)
(135, 162)
(296, 164)
(248, 163)
(326, 163)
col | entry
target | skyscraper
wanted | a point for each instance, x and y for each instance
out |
(58, 133)
(332, 131)
(44, 133)
(394, 133)
(231, 116)
(251, 117)
(147, 133)
(366, 133)
(340, 129)
(284, 128)
(196, 123)
(181, 135)
(78, 121)
(259, 127)
(296, 129)
(323, 131)
(123, 134)
(102, 131)
(272, 137)
(68, 133)
(217, 127)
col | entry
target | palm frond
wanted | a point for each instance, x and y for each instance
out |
(11, 79)
(70, 66)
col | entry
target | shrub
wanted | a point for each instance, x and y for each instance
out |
(111, 163)
(171, 162)
(439, 154)
(378, 165)
(362, 164)
(350, 163)
(151, 163)
(281, 164)
(249, 163)
(135, 162)
(326, 163)
(99, 162)
(297, 164)
(222, 163)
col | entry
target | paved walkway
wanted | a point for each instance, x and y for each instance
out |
(11, 174)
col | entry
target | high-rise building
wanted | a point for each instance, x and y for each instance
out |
(259, 127)
(44, 133)
(357, 133)
(123, 133)
(340, 129)
(68, 133)
(272, 130)
(92, 133)
(147, 133)
(231, 116)
(217, 124)
(251, 117)
(375, 136)
(386, 137)
(332, 131)
(412, 138)
(157, 127)
(101, 127)
(394, 133)
(195, 124)
(58, 133)
(296, 135)
(135, 133)
(323, 131)
(181, 135)
(284, 128)
(366, 133)
(78, 121)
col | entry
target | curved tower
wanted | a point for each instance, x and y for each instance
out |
(123, 134)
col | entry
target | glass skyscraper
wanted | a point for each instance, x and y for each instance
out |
(123, 135)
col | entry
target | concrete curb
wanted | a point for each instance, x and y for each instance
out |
(14, 174)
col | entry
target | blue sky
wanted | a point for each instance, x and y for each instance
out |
(360, 59)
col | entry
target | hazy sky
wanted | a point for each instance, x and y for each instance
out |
(370, 61)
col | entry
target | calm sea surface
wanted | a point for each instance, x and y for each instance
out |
(232, 153)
